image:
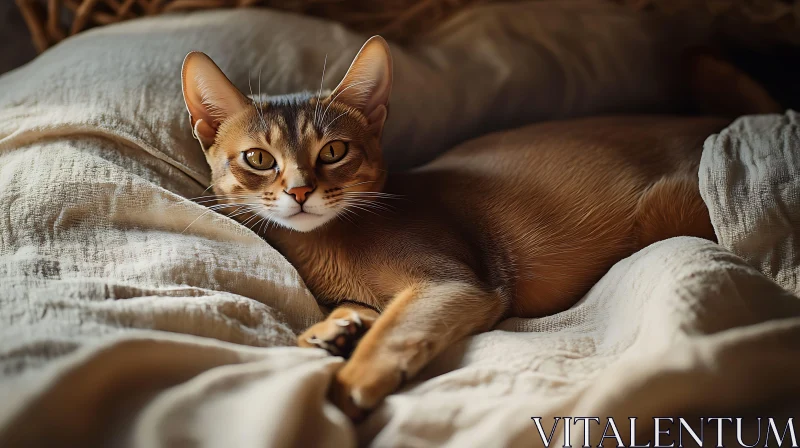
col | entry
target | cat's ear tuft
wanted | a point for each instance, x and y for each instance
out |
(210, 97)
(368, 82)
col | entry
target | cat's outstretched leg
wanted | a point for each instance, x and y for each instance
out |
(340, 332)
(417, 325)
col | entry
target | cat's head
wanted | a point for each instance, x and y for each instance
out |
(298, 160)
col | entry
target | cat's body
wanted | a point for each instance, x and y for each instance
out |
(534, 215)
(520, 223)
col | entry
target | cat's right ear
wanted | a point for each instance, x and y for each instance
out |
(210, 97)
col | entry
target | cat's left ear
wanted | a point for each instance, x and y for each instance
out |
(368, 83)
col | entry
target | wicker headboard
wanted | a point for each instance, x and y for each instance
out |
(755, 22)
(50, 21)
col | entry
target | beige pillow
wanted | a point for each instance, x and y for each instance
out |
(750, 180)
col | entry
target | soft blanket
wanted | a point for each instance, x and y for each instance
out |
(130, 316)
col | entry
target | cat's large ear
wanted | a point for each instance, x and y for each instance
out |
(210, 97)
(368, 82)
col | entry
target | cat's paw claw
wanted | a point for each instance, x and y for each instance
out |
(338, 336)
(313, 340)
(325, 345)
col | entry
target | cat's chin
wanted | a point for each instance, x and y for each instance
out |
(303, 221)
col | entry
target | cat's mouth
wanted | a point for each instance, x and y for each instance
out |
(301, 218)
(303, 213)
(304, 220)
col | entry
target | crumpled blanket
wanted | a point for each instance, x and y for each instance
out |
(683, 327)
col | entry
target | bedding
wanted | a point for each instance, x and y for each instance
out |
(132, 315)
(683, 327)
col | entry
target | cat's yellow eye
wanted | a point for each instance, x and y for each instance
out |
(333, 152)
(259, 159)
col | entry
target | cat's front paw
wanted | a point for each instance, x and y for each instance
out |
(360, 386)
(339, 333)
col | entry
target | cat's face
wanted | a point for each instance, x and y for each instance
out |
(293, 169)
(297, 161)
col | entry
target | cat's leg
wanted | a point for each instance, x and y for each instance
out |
(417, 325)
(340, 332)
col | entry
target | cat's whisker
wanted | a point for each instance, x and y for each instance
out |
(319, 93)
(265, 225)
(220, 197)
(207, 188)
(373, 206)
(334, 120)
(257, 102)
(367, 200)
(346, 215)
(236, 212)
(246, 221)
(259, 82)
(375, 194)
(208, 202)
(377, 199)
(234, 204)
(250, 219)
(376, 210)
(214, 208)
(340, 92)
(219, 207)
(362, 208)
(195, 220)
(329, 124)
(213, 196)
(260, 104)
(251, 226)
(250, 205)
(239, 213)
(236, 196)
(344, 218)
(247, 196)
(360, 183)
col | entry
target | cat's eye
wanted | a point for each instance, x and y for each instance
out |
(333, 152)
(259, 159)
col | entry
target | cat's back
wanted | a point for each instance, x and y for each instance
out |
(643, 141)
(554, 205)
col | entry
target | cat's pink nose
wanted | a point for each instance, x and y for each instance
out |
(300, 193)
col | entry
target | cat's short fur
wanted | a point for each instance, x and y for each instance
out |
(520, 223)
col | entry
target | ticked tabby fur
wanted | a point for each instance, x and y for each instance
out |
(520, 223)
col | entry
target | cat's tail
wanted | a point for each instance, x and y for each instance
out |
(719, 88)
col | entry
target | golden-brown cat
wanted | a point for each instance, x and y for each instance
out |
(520, 223)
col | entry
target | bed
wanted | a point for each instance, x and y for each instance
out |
(133, 316)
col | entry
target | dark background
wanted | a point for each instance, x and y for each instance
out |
(16, 47)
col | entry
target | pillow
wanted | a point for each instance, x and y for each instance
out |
(750, 180)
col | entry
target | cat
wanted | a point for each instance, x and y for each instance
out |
(520, 223)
